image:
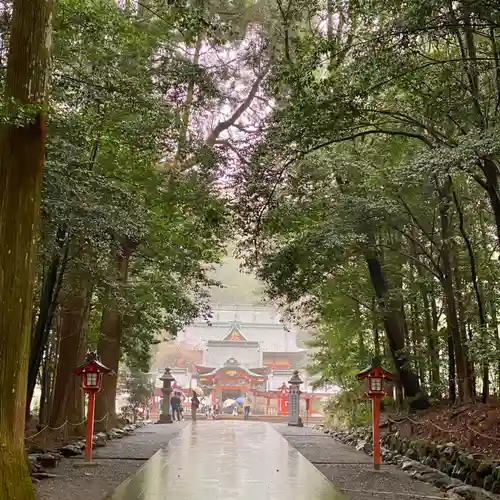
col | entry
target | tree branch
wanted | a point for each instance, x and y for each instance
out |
(224, 125)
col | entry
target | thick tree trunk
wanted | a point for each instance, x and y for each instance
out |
(494, 325)
(49, 363)
(376, 325)
(465, 332)
(449, 291)
(21, 168)
(431, 336)
(51, 286)
(490, 296)
(44, 389)
(73, 321)
(490, 170)
(416, 328)
(109, 347)
(394, 329)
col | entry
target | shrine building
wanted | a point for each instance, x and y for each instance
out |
(245, 346)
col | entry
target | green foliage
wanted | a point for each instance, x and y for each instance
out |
(118, 80)
(140, 388)
(347, 409)
(384, 147)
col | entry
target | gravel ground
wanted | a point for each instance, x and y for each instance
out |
(118, 460)
(352, 470)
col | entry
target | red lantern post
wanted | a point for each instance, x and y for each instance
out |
(91, 373)
(375, 375)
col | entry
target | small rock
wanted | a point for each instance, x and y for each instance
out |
(408, 465)
(99, 441)
(473, 479)
(430, 462)
(118, 433)
(43, 475)
(496, 472)
(35, 450)
(436, 478)
(450, 452)
(488, 482)
(459, 471)
(49, 460)
(471, 493)
(70, 450)
(34, 465)
(484, 469)
(364, 446)
(445, 466)
(472, 460)
(495, 488)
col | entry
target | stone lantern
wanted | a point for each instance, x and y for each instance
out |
(168, 380)
(294, 400)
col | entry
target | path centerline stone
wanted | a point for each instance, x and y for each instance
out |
(228, 460)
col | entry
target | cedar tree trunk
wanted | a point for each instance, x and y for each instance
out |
(22, 148)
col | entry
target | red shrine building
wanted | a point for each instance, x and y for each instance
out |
(249, 356)
(246, 346)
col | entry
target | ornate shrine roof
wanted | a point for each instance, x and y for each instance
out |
(229, 365)
(235, 335)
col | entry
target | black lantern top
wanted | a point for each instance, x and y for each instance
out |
(167, 376)
(295, 380)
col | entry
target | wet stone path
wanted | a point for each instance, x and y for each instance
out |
(228, 460)
(352, 471)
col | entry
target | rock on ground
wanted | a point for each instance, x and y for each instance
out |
(117, 460)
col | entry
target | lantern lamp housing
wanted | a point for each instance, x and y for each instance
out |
(375, 376)
(375, 384)
(91, 373)
(92, 380)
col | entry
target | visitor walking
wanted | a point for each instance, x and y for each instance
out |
(246, 406)
(176, 406)
(215, 409)
(195, 403)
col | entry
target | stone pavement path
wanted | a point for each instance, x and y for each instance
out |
(117, 461)
(352, 471)
(228, 460)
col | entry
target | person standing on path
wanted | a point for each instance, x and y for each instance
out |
(246, 406)
(195, 403)
(215, 409)
(176, 406)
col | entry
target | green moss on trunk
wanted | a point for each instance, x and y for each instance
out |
(21, 168)
(15, 482)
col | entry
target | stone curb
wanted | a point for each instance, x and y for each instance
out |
(441, 465)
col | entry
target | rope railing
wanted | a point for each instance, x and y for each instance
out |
(446, 431)
(481, 434)
(416, 422)
(62, 426)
